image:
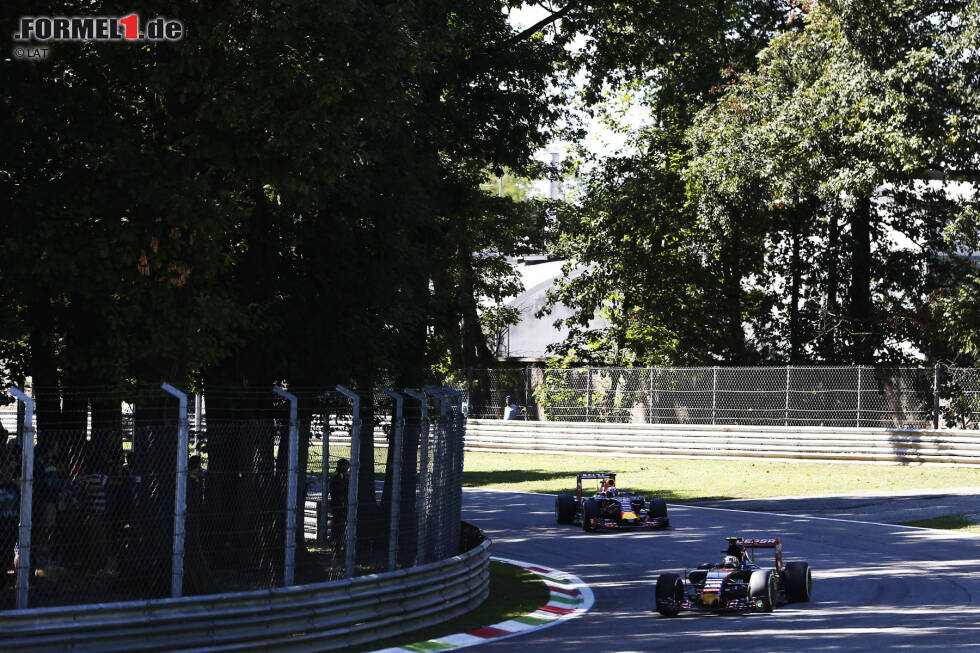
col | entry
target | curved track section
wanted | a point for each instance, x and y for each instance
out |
(875, 586)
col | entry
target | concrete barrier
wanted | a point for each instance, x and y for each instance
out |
(897, 446)
(322, 616)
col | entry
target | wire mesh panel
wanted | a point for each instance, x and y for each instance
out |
(960, 397)
(564, 395)
(102, 513)
(894, 397)
(897, 397)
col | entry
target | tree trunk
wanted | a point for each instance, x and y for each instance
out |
(860, 309)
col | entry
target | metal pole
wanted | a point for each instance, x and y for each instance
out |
(289, 561)
(423, 474)
(935, 396)
(355, 468)
(180, 493)
(786, 409)
(197, 419)
(23, 565)
(714, 394)
(588, 397)
(439, 466)
(324, 476)
(397, 431)
(860, 369)
(458, 432)
(527, 391)
(650, 402)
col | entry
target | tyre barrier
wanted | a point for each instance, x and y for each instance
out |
(948, 446)
(322, 616)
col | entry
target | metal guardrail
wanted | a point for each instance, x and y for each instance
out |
(956, 447)
(323, 616)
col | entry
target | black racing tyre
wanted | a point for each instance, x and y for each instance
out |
(762, 586)
(658, 509)
(798, 581)
(590, 512)
(670, 594)
(565, 508)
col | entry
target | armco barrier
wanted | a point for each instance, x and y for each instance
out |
(319, 617)
(958, 447)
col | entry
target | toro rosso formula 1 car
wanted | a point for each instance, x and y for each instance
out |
(609, 507)
(737, 583)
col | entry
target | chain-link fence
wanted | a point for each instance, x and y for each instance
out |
(908, 397)
(126, 495)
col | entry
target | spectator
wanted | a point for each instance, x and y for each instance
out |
(96, 531)
(49, 487)
(510, 408)
(339, 486)
(9, 514)
(119, 500)
(198, 578)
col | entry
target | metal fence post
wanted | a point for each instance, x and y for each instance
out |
(355, 468)
(714, 394)
(197, 420)
(23, 564)
(786, 409)
(527, 390)
(324, 476)
(180, 493)
(397, 432)
(935, 396)
(423, 478)
(860, 370)
(289, 560)
(588, 396)
(458, 431)
(439, 470)
(651, 401)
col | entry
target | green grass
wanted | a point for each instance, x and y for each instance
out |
(966, 523)
(683, 479)
(513, 592)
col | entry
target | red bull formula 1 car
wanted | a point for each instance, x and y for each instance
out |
(609, 507)
(737, 583)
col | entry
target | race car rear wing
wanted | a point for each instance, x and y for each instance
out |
(766, 543)
(602, 476)
(758, 543)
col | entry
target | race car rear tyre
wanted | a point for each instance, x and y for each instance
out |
(565, 508)
(670, 594)
(762, 590)
(799, 582)
(590, 514)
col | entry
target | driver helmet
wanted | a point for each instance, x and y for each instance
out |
(730, 561)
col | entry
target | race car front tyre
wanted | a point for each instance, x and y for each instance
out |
(658, 509)
(590, 515)
(762, 590)
(799, 582)
(565, 508)
(670, 594)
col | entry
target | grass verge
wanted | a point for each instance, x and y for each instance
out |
(967, 523)
(694, 479)
(513, 592)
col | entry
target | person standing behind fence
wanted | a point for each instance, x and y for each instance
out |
(96, 531)
(510, 408)
(9, 513)
(339, 485)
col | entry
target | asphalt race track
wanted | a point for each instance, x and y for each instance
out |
(875, 586)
